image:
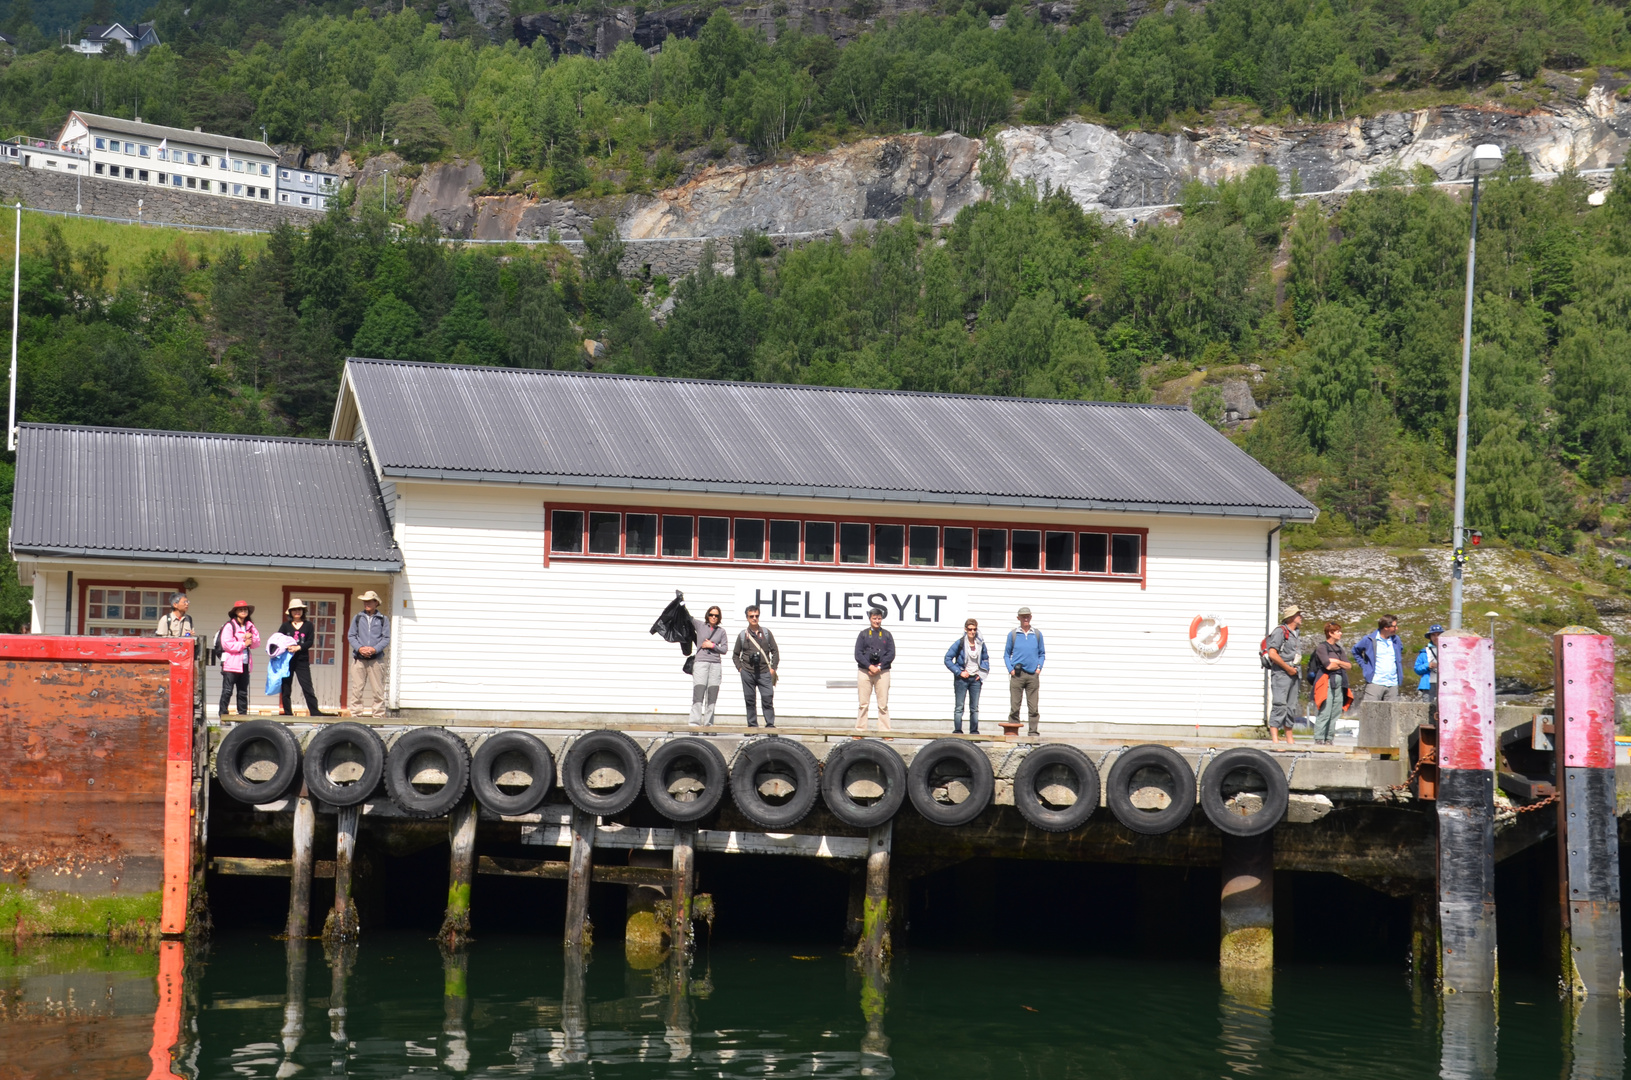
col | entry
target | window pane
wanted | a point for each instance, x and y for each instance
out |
(605, 531)
(1124, 554)
(853, 543)
(566, 531)
(959, 547)
(639, 534)
(1027, 549)
(676, 536)
(1095, 553)
(888, 544)
(714, 537)
(925, 541)
(784, 541)
(818, 541)
(116, 611)
(993, 549)
(750, 538)
(1060, 551)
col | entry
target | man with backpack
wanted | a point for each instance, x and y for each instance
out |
(1282, 651)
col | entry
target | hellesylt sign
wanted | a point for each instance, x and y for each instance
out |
(825, 599)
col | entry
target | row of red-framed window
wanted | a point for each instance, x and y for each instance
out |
(660, 535)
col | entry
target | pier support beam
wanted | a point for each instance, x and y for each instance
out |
(1588, 842)
(579, 864)
(875, 916)
(1246, 909)
(300, 867)
(685, 881)
(461, 871)
(1466, 813)
(1424, 938)
(341, 925)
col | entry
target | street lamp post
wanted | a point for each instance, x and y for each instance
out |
(1486, 157)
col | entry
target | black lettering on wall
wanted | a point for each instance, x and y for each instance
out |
(790, 601)
(937, 600)
(901, 604)
(877, 599)
(808, 613)
(850, 605)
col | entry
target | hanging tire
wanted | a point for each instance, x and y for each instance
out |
(1056, 788)
(504, 757)
(414, 762)
(940, 772)
(686, 778)
(1145, 767)
(1222, 783)
(344, 763)
(774, 782)
(602, 772)
(271, 744)
(863, 783)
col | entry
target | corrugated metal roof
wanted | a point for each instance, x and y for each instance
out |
(187, 136)
(186, 497)
(556, 427)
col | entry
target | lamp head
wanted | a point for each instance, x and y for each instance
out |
(1486, 158)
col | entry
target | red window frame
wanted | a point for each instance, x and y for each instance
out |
(871, 566)
(170, 588)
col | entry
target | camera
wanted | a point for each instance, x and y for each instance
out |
(873, 660)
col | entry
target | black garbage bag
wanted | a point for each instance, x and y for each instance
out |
(675, 624)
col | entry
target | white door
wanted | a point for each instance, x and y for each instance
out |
(328, 651)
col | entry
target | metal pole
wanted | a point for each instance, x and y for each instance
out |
(384, 183)
(1459, 557)
(16, 292)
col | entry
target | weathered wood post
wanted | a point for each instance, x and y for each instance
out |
(679, 930)
(578, 933)
(461, 834)
(341, 925)
(294, 1002)
(300, 868)
(1466, 813)
(341, 958)
(1246, 908)
(875, 938)
(574, 1003)
(1588, 842)
(874, 1000)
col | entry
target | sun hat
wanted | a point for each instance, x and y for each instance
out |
(236, 604)
(295, 603)
(1436, 628)
(370, 595)
(1024, 611)
(1290, 613)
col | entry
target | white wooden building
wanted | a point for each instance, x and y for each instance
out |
(158, 156)
(541, 520)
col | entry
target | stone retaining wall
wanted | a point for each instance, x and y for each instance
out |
(674, 257)
(43, 189)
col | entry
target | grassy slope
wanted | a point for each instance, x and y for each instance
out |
(128, 246)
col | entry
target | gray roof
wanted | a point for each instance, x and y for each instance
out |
(184, 497)
(157, 132)
(582, 429)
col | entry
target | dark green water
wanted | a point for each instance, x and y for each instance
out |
(508, 1007)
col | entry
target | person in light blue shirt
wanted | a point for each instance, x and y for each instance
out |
(1023, 656)
(1381, 657)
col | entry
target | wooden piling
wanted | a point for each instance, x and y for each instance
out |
(300, 867)
(341, 925)
(294, 1002)
(1246, 908)
(875, 915)
(679, 931)
(461, 834)
(455, 1004)
(1588, 834)
(578, 933)
(1466, 813)
(341, 958)
(574, 1001)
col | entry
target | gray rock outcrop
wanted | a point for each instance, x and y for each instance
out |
(443, 193)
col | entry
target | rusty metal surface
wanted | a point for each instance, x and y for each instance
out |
(1584, 670)
(1466, 701)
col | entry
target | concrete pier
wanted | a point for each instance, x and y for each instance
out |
(1466, 813)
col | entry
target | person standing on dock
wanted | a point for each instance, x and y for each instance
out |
(711, 645)
(369, 637)
(176, 622)
(1331, 693)
(1427, 667)
(757, 658)
(1381, 658)
(969, 664)
(1023, 656)
(874, 655)
(237, 637)
(1284, 652)
(297, 626)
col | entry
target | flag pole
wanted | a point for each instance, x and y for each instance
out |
(16, 291)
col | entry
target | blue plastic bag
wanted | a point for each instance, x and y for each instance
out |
(277, 669)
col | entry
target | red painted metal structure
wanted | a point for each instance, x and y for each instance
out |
(1466, 812)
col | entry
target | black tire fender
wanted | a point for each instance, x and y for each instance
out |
(1275, 792)
(958, 759)
(1039, 771)
(891, 777)
(486, 766)
(602, 749)
(285, 753)
(693, 759)
(413, 751)
(321, 749)
(1118, 789)
(790, 761)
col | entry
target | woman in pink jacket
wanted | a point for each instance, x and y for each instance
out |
(238, 636)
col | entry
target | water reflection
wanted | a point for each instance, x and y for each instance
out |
(294, 1007)
(1247, 1008)
(1597, 1037)
(1468, 1046)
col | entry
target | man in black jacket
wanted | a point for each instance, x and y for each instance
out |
(757, 658)
(874, 653)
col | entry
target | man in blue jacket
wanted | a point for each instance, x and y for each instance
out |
(1023, 656)
(1381, 657)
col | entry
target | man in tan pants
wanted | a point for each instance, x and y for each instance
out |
(369, 637)
(874, 653)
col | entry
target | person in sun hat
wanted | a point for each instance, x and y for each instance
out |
(1283, 651)
(369, 637)
(297, 626)
(1023, 656)
(1427, 667)
(236, 638)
